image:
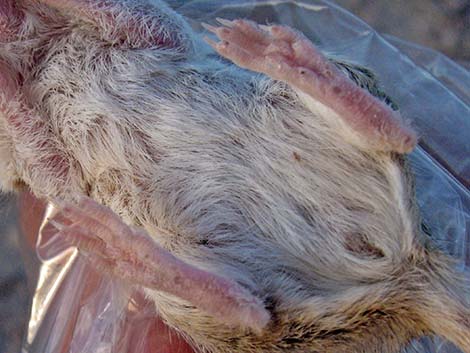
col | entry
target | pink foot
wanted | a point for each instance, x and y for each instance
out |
(131, 254)
(285, 54)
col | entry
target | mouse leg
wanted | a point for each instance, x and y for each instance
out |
(287, 55)
(131, 254)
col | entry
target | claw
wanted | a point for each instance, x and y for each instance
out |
(287, 55)
(134, 256)
(224, 22)
(211, 42)
(209, 27)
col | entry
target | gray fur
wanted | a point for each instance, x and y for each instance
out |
(248, 179)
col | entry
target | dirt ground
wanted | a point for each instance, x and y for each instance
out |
(443, 25)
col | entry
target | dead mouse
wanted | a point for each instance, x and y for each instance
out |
(264, 209)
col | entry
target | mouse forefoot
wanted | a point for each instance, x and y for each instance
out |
(131, 254)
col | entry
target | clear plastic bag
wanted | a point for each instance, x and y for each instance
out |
(430, 89)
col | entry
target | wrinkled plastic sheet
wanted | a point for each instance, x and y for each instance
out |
(431, 90)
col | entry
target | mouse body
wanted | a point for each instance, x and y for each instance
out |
(282, 177)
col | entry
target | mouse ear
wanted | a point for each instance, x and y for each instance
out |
(128, 23)
(134, 256)
(10, 19)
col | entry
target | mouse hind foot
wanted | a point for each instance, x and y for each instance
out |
(287, 55)
(131, 254)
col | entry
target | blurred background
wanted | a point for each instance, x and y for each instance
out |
(14, 293)
(443, 25)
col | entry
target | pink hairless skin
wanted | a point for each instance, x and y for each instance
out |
(255, 215)
(287, 55)
(279, 52)
(159, 338)
(132, 255)
(119, 245)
